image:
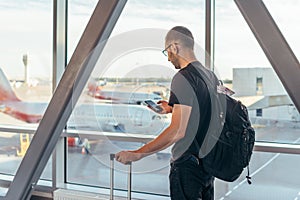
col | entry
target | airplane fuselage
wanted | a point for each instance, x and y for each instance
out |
(118, 118)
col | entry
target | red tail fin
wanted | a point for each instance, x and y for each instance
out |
(6, 92)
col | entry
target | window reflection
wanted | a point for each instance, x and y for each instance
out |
(254, 81)
(273, 177)
(25, 75)
(239, 58)
(13, 147)
(130, 70)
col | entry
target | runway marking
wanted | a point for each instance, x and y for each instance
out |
(263, 166)
(235, 187)
(258, 170)
(228, 193)
(242, 182)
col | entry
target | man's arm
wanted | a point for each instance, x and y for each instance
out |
(176, 131)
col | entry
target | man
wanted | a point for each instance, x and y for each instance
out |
(190, 106)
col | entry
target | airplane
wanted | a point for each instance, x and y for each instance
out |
(10, 104)
(95, 90)
(125, 118)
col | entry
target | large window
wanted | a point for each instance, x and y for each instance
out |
(131, 69)
(274, 176)
(111, 115)
(26, 74)
(286, 19)
(239, 57)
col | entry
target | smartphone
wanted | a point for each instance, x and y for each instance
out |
(154, 106)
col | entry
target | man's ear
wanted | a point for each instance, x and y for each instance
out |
(174, 49)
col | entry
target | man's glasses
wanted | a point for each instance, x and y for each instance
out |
(165, 52)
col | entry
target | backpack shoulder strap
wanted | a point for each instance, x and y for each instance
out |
(218, 109)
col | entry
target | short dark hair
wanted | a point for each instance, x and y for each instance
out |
(181, 34)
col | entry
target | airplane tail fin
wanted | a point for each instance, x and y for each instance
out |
(6, 91)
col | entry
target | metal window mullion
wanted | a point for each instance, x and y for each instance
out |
(209, 33)
(260, 146)
(59, 64)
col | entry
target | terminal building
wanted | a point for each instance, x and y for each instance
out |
(71, 73)
(264, 94)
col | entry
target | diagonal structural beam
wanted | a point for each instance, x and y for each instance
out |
(274, 45)
(65, 96)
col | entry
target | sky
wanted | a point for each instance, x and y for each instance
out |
(26, 28)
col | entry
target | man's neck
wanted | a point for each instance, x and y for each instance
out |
(186, 60)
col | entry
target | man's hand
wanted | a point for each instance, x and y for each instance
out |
(126, 157)
(165, 106)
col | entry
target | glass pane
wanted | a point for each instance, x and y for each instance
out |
(131, 70)
(94, 168)
(13, 147)
(25, 73)
(243, 65)
(79, 13)
(26, 45)
(274, 176)
(286, 18)
(12, 151)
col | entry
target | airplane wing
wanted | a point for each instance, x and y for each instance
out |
(25, 111)
(10, 104)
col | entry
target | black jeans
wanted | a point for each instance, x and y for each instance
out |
(189, 181)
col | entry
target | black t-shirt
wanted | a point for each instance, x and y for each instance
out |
(188, 88)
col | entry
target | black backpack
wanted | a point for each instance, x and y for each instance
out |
(228, 144)
(233, 149)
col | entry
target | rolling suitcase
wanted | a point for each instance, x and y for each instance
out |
(112, 158)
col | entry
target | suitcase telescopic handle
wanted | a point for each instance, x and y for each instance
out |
(112, 158)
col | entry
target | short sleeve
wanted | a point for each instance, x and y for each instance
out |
(181, 91)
